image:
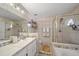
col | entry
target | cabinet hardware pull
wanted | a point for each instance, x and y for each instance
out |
(26, 54)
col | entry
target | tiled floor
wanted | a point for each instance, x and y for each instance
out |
(42, 54)
(62, 52)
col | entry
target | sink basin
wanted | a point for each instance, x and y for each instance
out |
(4, 42)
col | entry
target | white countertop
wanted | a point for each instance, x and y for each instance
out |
(12, 48)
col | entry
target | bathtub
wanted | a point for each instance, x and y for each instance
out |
(61, 49)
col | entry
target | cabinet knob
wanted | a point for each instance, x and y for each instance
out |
(26, 54)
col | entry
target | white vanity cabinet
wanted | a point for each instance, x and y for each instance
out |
(22, 52)
(26, 47)
(29, 50)
(32, 48)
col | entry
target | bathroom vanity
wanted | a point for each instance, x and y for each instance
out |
(25, 47)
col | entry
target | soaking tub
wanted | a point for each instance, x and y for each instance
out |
(61, 49)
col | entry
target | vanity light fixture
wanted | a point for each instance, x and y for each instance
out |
(29, 24)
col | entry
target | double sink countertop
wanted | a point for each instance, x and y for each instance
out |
(12, 48)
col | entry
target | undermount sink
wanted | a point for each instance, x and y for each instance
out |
(4, 42)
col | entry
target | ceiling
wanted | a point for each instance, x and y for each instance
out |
(49, 9)
(5, 13)
(8, 15)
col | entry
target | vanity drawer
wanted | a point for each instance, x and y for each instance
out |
(22, 52)
(32, 48)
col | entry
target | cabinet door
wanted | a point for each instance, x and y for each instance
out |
(22, 52)
(32, 48)
(30, 52)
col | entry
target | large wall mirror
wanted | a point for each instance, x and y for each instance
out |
(9, 28)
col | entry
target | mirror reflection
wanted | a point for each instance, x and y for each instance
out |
(9, 29)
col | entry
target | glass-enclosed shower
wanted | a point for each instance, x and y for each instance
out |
(66, 35)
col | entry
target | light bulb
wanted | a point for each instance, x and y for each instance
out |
(29, 25)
